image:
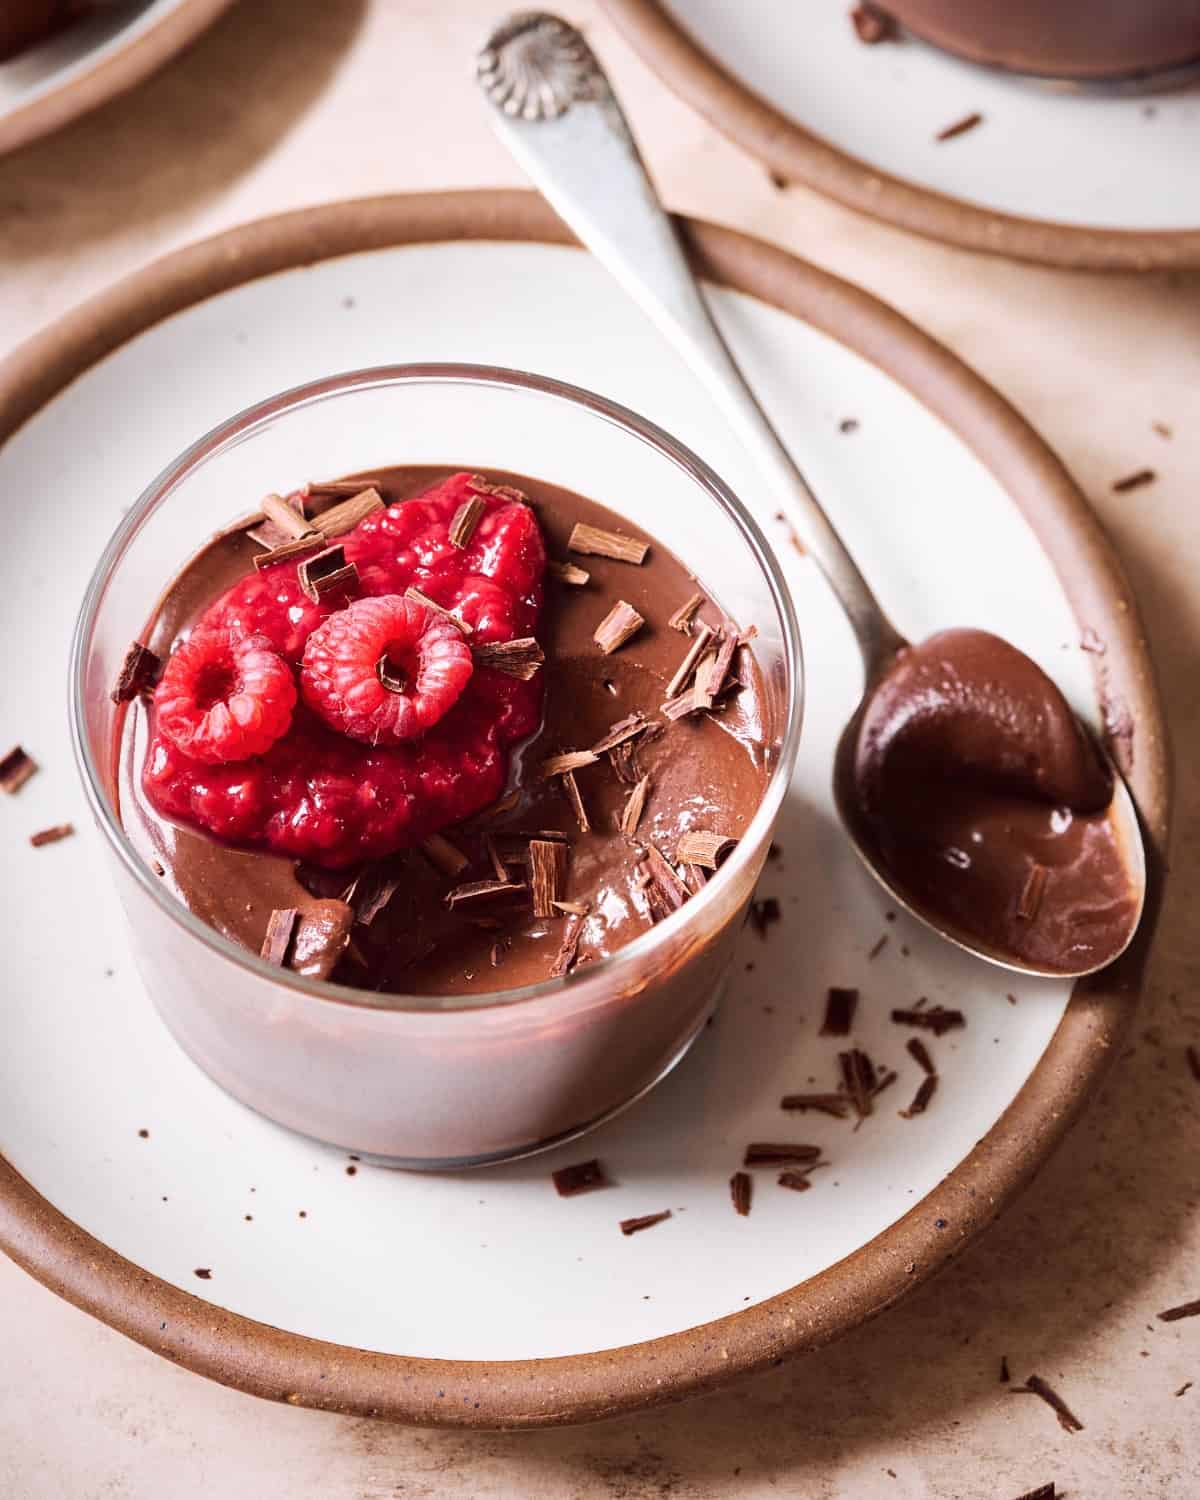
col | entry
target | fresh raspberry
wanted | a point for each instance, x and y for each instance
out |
(224, 697)
(385, 670)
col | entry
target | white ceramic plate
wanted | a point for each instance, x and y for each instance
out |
(504, 1268)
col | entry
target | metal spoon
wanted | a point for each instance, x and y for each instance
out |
(554, 108)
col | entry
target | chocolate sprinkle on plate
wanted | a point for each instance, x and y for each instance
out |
(51, 835)
(139, 673)
(859, 1079)
(917, 1050)
(936, 1019)
(582, 1177)
(1184, 1310)
(840, 1006)
(922, 1097)
(836, 1105)
(204, 1273)
(761, 914)
(15, 769)
(775, 1153)
(799, 1182)
(741, 1188)
(1036, 1386)
(1043, 1492)
(645, 1221)
(872, 25)
(879, 947)
(959, 127)
(1134, 481)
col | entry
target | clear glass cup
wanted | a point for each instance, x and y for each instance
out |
(426, 1081)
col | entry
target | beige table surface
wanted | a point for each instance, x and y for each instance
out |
(291, 102)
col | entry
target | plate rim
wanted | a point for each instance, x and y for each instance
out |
(783, 145)
(277, 1364)
(115, 70)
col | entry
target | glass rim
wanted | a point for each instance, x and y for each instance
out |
(242, 425)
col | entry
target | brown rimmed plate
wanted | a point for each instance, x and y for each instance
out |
(1077, 178)
(483, 1299)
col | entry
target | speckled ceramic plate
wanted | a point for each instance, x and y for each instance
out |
(1068, 177)
(92, 61)
(482, 1298)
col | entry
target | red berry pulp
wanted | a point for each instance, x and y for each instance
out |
(312, 791)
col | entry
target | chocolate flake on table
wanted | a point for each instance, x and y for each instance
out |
(1005, 1377)
(520, 659)
(799, 1182)
(775, 1154)
(1162, 429)
(285, 551)
(547, 873)
(859, 1079)
(682, 619)
(326, 573)
(1043, 1492)
(837, 1105)
(569, 760)
(645, 1221)
(872, 25)
(936, 1019)
(571, 791)
(419, 598)
(1193, 1056)
(885, 1081)
(919, 1052)
(204, 1273)
(278, 940)
(635, 805)
(448, 857)
(959, 127)
(686, 668)
(921, 1098)
(700, 846)
(1036, 1386)
(619, 625)
(620, 732)
(741, 1187)
(594, 542)
(1134, 481)
(568, 949)
(15, 769)
(466, 518)
(1030, 900)
(762, 914)
(345, 517)
(1184, 1310)
(840, 1005)
(669, 885)
(567, 572)
(138, 675)
(848, 425)
(51, 835)
(474, 893)
(879, 947)
(581, 1177)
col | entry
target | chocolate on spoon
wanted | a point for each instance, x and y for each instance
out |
(965, 781)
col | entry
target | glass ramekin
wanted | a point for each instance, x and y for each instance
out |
(425, 1081)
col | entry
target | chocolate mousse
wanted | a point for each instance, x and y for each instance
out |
(1083, 39)
(485, 734)
(987, 802)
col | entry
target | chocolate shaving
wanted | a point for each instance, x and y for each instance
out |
(507, 492)
(493, 854)
(1036, 1386)
(15, 769)
(204, 1273)
(321, 938)
(483, 892)
(624, 758)
(872, 25)
(836, 1105)
(278, 939)
(936, 1019)
(419, 598)
(582, 1177)
(879, 947)
(695, 877)
(887, 1078)
(327, 573)
(547, 872)
(680, 706)
(339, 519)
(920, 1053)
(287, 518)
(339, 489)
(372, 892)
(466, 518)
(1134, 481)
(1030, 900)
(672, 889)
(448, 857)
(571, 789)
(390, 677)
(646, 1221)
(1193, 1057)
(619, 625)
(572, 908)
(797, 1181)
(139, 673)
(719, 671)
(702, 687)
(840, 1006)
(567, 572)
(568, 949)
(922, 1097)
(285, 551)
(1184, 1310)
(859, 1079)
(959, 127)
(1043, 1492)
(521, 659)
(635, 804)
(51, 835)
(621, 732)
(682, 619)
(741, 1186)
(594, 542)
(700, 846)
(1005, 1377)
(569, 760)
(774, 1153)
(762, 914)
(686, 668)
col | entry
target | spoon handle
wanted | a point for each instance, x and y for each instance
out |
(555, 110)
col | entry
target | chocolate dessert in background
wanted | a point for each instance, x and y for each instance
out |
(23, 23)
(564, 867)
(1077, 39)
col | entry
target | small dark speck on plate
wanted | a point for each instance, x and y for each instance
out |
(939, 1223)
(351, 1171)
(145, 1134)
(349, 302)
(204, 1273)
(249, 1218)
(848, 425)
(303, 1214)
